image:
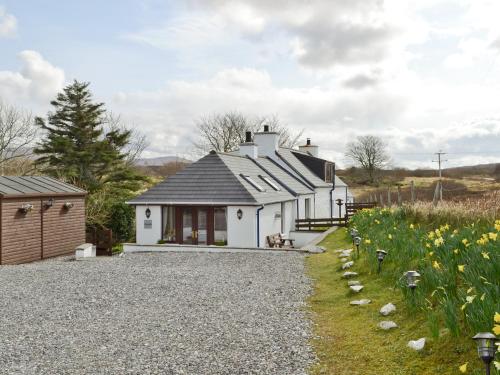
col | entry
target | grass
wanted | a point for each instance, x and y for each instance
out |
(347, 339)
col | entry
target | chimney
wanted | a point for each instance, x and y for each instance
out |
(267, 141)
(310, 148)
(248, 147)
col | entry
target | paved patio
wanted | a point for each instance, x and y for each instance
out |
(171, 313)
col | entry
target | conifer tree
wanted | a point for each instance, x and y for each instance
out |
(78, 149)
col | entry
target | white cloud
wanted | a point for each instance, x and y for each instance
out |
(37, 80)
(8, 23)
(443, 117)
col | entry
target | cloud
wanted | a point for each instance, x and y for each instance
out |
(328, 115)
(363, 80)
(8, 23)
(37, 80)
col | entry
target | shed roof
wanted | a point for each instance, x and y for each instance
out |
(35, 185)
(214, 179)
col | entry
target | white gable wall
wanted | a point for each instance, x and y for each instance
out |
(148, 236)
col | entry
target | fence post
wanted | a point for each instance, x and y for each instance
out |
(400, 201)
(412, 190)
(381, 200)
(389, 202)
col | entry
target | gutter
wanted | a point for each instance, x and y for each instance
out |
(331, 192)
(258, 224)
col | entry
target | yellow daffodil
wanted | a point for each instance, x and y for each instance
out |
(436, 265)
(455, 231)
(389, 236)
(470, 290)
(497, 364)
(428, 245)
(481, 241)
(377, 221)
(367, 241)
(455, 251)
(465, 241)
(485, 255)
(461, 267)
(463, 368)
(438, 241)
(483, 296)
(470, 299)
(431, 235)
(412, 226)
(431, 253)
(438, 232)
(496, 330)
(497, 318)
(492, 236)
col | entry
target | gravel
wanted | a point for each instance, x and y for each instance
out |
(174, 313)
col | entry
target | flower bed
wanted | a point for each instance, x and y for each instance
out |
(459, 288)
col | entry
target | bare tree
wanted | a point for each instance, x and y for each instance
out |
(224, 132)
(17, 135)
(369, 153)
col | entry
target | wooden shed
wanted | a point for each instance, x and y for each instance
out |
(40, 217)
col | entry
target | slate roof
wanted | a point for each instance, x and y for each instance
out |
(214, 179)
(297, 166)
(285, 176)
(34, 185)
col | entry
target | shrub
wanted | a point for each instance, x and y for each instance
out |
(121, 221)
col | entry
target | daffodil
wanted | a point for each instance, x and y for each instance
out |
(465, 241)
(496, 330)
(431, 235)
(389, 236)
(455, 251)
(470, 299)
(368, 241)
(470, 290)
(412, 226)
(497, 318)
(461, 267)
(436, 265)
(431, 253)
(492, 236)
(438, 241)
(485, 255)
(463, 368)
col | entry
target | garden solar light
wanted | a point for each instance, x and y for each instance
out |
(357, 242)
(486, 348)
(380, 257)
(412, 278)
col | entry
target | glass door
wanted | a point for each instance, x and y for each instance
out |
(202, 228)
(188, 232)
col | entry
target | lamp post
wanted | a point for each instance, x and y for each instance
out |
(339, 203)
(380, 257)
(486, 348)
(354, 232)
(412, 279)
(357, 242)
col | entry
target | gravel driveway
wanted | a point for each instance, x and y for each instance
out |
(171, 313)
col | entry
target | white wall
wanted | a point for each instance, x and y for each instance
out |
(242, 232)
(322, 203)
(302, 206)
(269, 223)
(152, 235)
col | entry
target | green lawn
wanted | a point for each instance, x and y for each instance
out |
(348, 340)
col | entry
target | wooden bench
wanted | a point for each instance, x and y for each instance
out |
(277, 241)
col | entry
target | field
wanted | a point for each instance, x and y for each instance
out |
(458, 295)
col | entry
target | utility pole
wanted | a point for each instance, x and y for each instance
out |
(439, 154)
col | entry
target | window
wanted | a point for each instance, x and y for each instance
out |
(329, 172)
(169, 223)
(252, 182)
(220, 226)
(307, 208)
(270, 182)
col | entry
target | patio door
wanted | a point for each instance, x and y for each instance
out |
(196, 225)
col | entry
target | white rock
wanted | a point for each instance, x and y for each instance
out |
(342, 251)
(356, 288)
(361, 302)
(387, 309)
(417, 344)
(387, 325)
(344, 255)
(353, 282)
(347, 265)
(343, 260)
(348, 274)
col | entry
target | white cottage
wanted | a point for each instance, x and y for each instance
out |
(239, 199)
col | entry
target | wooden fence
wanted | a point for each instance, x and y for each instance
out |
(352, 208)
(320, 225)
(102, 238)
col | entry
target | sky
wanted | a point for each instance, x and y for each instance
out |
(423, 75)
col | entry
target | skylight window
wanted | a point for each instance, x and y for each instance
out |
(253, 183)
(270, 183)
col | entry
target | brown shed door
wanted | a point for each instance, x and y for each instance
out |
(63, 228)
(21, 232)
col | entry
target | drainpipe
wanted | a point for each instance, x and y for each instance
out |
(331, 191)
(258, 224)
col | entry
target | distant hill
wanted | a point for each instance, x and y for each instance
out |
(491, 169)
(159, 161)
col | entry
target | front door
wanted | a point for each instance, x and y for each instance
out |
(195, 225)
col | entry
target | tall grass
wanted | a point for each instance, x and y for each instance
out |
(456, 249)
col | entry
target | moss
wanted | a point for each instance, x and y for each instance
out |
(348, 341)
